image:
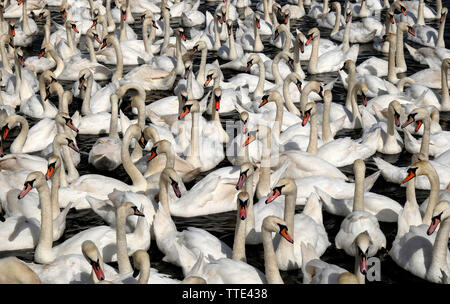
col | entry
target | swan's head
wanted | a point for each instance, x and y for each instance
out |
(34, 179)
(180, 31)
(128, 208)
(247, 170)
(53, 163)
(183, 96)
(217, 98)
(198, 46)
(43, 14)
(190, 106)
(223, 10)
(93, 257)
(251, 136)
(252, 59)
(309, 110)
(83, 75)
(244, 119)
(66, 139)
(335, 5)
(7, 124)
(12, 28)
(445, 64)
(162, 146)
(219, 16)
(20, 58)
(65, 120)
(141, 260)
(273, 96)
(301, 40)
(422, 167)
(349, 65)
(242, 204)
(285, 186)
(395, 108)
(285, 16)
(276, 8)
(404, 26)
(108, 39)
(63, 12)
(312, 34)
(71, 24)
(187, 65)
(123, 11)
(2, 8)
(443, 14)
(362, 244)
(389, 37)
(277, 225)
(257, 21)
(169, 175)
(440, 213)
(92, 34)
(348, 17)
(296, 79)
(212, 74)
(362, 87)
(418, 115)
(229, 27)
(390, 15)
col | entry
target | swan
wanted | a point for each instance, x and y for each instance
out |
(232, 271)
(330, 61)
(360, 32)
(253, 42)
(328, 20)
(318, 9)
(29, 228)
(230, 50)
(105, 153)
(432, 144)
(306, 227)
(359, 220)
(427, 35)
(24, 33)
(417, 256)
(316, 271)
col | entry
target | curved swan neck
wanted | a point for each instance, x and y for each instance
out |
(441, 42)
(119, 58)
(346, 38)
(145, 38)
(287, 96)
(250, 221)
(259, 91)
(434, 196)
(312, 65)
(337, 23)
(91, 50)
(62, 172)
(70, 38)
(59, 62)
(121, 242)
(166, 17)
(440, 247)
(425, 145)
(270, 263)
(216, 33)
(17, 145)
(4, 55)
(164, 195)
(139, 182)
(267, 18)
(355, 109)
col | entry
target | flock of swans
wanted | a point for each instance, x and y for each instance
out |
(183, 159)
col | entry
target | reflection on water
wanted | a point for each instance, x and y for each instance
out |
(222, 225)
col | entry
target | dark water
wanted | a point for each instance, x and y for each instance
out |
(222, 225)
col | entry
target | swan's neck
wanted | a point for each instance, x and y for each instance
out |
(5, 58)
(90, 48)
(420, 11)
(434, 196)
(119, 59)
(114, 116)
(239, 239)
(441, 41)
(164, 195)
(123, 31)
(326, 128)
(109, 17)
(440, 247)
(445, 99)
(179, 55)
(425, 145)
(62, 171)
(43, 253)
(287, 97)
(86, 106)
(257, 43)
(355, 109)
(312, 65)
(232, 45)
(325, 8)
(201, 72)
(263, 187)
(278, 120)
(59, 62)
(17, 145)
(266, 12)
(47, 27)
(194, 155)
(250, 221)
(139, 182)
(312, 146)
(438, 7)
(289, 212)
(147, 44)
(399, 54)
(275, 70)
(259, 91)
(390, 124)
(54, 192)
(216, 33)
(166, 18)
(411, 192)
(70, 39)
(270, 262)
(346, 39)
(358, 200)
(121, 242)
(297, 64)
(392, 75)
(337, 23)
(26, 26)
(287, 44)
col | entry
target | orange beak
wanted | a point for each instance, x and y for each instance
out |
(5, 132)
(275, 193)
(217, 104)
(184, 113)
(249, 140)
(243, 212)
(419, 124)
(71, 126)
(308, 41)
(98, 271)
(26, 188)
(152, 156)
(155, 26)
(264, 101)
(63, 15)
(75, 29)
(410, 176)
(411, 31)
(408, 122)
(94, 23)
(50, 171)
(434, 224)
(208, 80)
(258, 24)
(284, 233)
(305, 119)
(183, 36)
(41, 54)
